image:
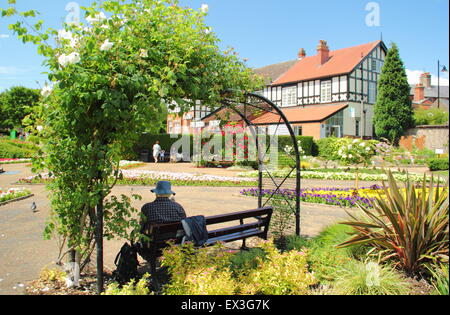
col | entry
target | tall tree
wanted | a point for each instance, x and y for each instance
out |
(393, 109)
(15, 104)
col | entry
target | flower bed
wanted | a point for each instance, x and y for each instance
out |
(330, 196)
(340, 176)
(145, 177)
(14, 161)
(130, 164)
(13, 193)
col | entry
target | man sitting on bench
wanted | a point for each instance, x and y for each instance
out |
(163, 209)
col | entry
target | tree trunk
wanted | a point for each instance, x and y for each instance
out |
(99, 242)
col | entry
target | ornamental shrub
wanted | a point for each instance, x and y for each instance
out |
(308, 144)
(347, 150)
(432, 116)
(438, 164)
(217, 271)
(12, 150)
(131, 288)
(360, 278)
(279, 273)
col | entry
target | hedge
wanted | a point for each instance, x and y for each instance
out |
(13, 149)
(439, 164)
(308, 144)
(146, 142)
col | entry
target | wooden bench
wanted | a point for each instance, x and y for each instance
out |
(161, 234)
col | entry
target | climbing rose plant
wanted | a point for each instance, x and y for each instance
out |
(107, 78)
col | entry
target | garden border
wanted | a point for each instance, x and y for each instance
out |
(15, 200)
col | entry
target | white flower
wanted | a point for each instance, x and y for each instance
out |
(107, 45)
(98, 17)
(350, 156)
(204, 8)
(363, 144)
(46, 91)
(39, 128)
(65, 60)
(143, 53)
(356, 141)
(63, 34)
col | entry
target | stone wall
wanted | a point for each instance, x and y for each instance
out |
(430, 137)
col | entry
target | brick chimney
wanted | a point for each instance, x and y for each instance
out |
(419, 94)
(301, 54)
(425, 79)
(323, 52)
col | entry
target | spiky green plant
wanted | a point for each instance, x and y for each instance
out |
(408, 226)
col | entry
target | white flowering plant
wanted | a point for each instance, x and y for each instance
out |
(109, 78)
(357, 152)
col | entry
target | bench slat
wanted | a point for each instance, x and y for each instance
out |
(238, 215)
(235, 237)
(236, 229)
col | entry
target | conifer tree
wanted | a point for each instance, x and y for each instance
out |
(393, 110)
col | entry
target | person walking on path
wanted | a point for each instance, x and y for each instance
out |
(156, 151)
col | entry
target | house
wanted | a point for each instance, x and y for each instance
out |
(331, 93)
(425, 95)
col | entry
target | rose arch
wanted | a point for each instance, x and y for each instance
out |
(264, 122)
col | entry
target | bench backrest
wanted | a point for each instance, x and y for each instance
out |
(162, 233)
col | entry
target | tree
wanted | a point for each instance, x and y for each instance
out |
(108, 80)
(393, 109)
(15, 104)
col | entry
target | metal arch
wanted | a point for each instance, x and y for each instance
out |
(283, 119)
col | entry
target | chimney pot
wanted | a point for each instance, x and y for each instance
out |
(323, 51)
(301, 54)
(419, 93)
(425, 79)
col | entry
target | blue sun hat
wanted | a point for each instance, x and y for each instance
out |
(163, 188)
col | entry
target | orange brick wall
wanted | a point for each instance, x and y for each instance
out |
(311, 130)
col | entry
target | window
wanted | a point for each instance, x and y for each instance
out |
(372, 92)
(298, 130)
(290, 96)
(374, 65)
(326, 91)
(335, 125)
(357, 127)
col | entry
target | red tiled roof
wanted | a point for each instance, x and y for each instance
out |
(314, 113)
(341, 61)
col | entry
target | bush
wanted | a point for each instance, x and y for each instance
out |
(279, 274)
(408, 226)
(438, 164)
(324, 257)
(308, 144)
(432, 116)
(347, 150)
(131, 288)
(146, 142)
(216, 271)
(13, 149)
(360, 278)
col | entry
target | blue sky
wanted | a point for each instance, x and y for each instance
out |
(270, 31)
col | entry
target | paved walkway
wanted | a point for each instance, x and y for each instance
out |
(24, 252)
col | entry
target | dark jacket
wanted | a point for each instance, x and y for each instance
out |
(195, 229)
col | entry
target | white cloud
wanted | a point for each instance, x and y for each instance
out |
(4, 36)
(414, 77)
